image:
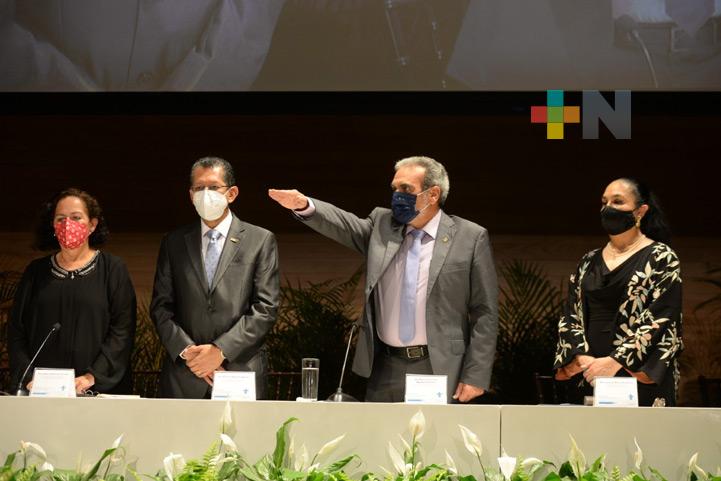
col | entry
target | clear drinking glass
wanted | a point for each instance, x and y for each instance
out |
(309, 378)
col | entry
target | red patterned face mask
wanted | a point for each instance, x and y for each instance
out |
(70, 233)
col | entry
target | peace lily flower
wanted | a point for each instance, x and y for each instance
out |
(451, 464)
(46, 467)
(226, 420)
(473, 444)
(330, 446)
(404, 442)
(507, 465)
(398, 463)
(638, 455)
(529, 463)
(417, 425)
(302, 458)
(227, 442)
(32, 449)
(119, 452)
(291, 448)
(174, 465)
(576, 459)
(693, 467)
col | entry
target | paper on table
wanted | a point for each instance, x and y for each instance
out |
(426, 389)
(53, 382)
(234, 385)
(615, 391)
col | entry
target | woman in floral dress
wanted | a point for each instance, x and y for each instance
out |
(623, 316)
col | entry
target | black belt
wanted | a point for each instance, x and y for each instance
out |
(410, 353)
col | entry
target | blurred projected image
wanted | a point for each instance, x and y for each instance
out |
(589, 44)
(109, 45)
(359, 45)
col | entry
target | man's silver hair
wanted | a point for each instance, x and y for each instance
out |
(435, 173)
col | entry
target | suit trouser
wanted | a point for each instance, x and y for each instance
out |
(387, 382)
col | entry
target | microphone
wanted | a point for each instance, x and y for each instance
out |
(628, 27)
(21, 391)
(339, 396)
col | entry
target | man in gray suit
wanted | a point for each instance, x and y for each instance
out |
(431, 294)
(216, 290)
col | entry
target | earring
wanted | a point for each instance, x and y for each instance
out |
(638, 222)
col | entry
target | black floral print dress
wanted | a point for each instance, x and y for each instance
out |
(632, 314)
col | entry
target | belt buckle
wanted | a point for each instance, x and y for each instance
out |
(414, 352)
(677, 34)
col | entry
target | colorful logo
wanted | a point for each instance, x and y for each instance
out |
(554, 114)
(596, 110)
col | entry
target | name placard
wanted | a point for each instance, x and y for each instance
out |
(615, 392)
(426, 389)
(234, 385)
(53, 382)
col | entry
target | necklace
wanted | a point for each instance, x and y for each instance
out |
(616, 253)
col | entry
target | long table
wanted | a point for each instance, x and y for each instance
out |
(73, 428)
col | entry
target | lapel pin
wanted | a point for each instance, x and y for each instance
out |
(445, 238)
(234, 240)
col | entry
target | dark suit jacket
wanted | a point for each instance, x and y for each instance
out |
(235, 313)
(462, 302)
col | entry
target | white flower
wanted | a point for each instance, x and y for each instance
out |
(174, 465)
(529, 463)
(638, 455)
(33, 449)
(405, 443)
(330, 446)
(228, 442)
(507, 465)
(451, 464)
(577, 459)
(291, 448)
(473, 444)
(302, 458)
(226, 420)
(46, 467)
(693, 467)
(398, 463)
(417, 425)
(116, 443)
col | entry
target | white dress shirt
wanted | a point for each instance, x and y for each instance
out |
(388, 291)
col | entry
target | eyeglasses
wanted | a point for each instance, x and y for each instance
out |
(214, 188)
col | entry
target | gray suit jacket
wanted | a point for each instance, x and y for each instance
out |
(234, 313)
(462, 297)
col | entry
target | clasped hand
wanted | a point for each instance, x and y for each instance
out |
(203, 361)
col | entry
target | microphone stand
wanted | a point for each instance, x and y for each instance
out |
(20, 391)
(339, 396)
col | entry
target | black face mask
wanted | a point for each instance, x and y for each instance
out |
(616, 221)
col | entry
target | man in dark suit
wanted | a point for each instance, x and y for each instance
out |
(216, 290)
(431, 294)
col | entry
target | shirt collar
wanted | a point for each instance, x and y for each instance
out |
(223, 227)
(431, 227)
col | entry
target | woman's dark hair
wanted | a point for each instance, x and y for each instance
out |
(45, 233)
(654, 224)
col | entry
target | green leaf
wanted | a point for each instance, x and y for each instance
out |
(10, 459)
(279, 452)
(470, 477)
(566, 471)
(93, 471)
(597, 465)
(658, 475)
(338, 465)
(552, 477)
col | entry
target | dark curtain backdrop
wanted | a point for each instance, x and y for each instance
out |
(134, 152)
